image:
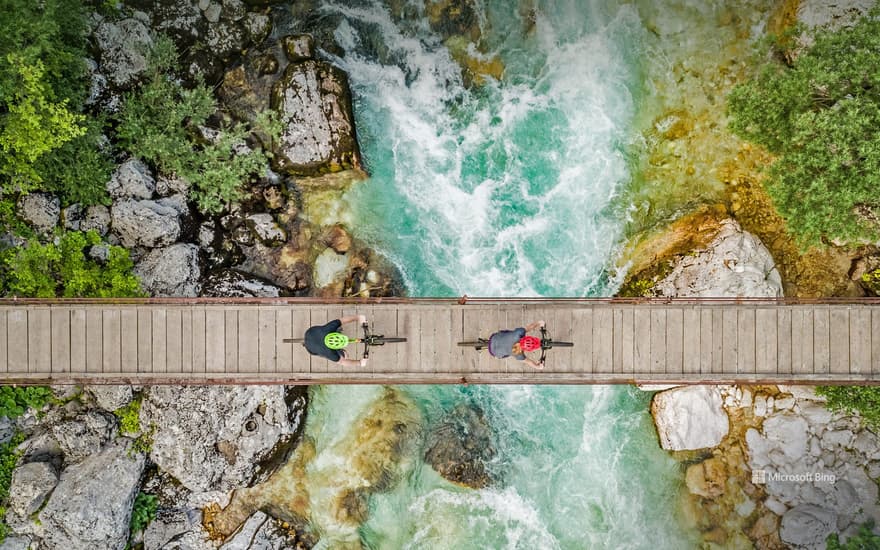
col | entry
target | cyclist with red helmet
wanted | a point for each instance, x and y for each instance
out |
(516, 343)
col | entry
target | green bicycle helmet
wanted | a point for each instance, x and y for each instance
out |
(336, 340)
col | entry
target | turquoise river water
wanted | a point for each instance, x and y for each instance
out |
(508, 189)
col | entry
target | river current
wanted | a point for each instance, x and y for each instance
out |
(515, 187)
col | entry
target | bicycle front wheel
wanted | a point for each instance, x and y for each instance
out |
(380, 340)
(555, 344)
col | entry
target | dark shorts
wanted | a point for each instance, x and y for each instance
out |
(314, 341)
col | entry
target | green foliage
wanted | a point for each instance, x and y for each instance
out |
(61, 268)
(160, 123)
(819, 116)
(15, 400)
(865, 539)
(130, 417)
(32, 126)
(871, 281)
(8, 460)
(864, 400)
(142, 512)
(78, 170)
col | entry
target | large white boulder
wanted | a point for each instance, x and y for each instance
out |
(691, 417)
(735, 264)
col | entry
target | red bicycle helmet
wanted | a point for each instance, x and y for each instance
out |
(530, 343)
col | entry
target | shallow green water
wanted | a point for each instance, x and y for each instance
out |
(509, 190)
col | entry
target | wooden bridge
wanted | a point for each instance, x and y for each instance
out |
(240, 341)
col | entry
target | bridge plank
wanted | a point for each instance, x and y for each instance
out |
(431, 324)
(691, 340)
(565, 358)
(860, 342)
(4, 341)
(456, 335)
(628, 341)
(658, 340)
(128, 339)
(875, 341)
(745, 337)
(284, 352)
(198, 339)
(267, 339)
(802, 341)
(821, 340)
(60, 345)
(173, 342)
(383, 320)
(603, 340)
(783, 341)
(582, 336)
(729, 338)
(838, 357)
(409, 356)
(301, 321)
(674, 341)
(617, 344)
(160, 338)
(111, 352)
(718, 352)
(186, 340)
(39, 340)
(94, 340)
(215, 340)
(249, 340)
(17, 330)
(144, 340)
(707, 340)
(766, 341)
(642, 355)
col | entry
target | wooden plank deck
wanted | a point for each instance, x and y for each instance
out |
(616, 341)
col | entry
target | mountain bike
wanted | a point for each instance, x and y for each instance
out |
(369, 339)
(547, 342)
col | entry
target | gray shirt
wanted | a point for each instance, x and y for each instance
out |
(501, 343)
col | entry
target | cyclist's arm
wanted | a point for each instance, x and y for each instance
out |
(353, 362)
(536, 325)
(534, 364)
(360, 319)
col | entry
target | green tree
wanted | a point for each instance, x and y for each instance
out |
(161, 122)
(819, 115)
(863, 400)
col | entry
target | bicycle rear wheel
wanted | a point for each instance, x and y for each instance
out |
(475, 345)
(555, 344)
(293, 340)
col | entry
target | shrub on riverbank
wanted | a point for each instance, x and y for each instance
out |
(819, 115)
(63, 268)
(864, 400)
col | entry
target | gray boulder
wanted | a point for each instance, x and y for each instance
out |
(123, 49)
(96, 218)
(72, 216)
(131, 180)
(266, 229)
(214, 437)
(689, 417)
(314, 100)
(16, 543)
(110, 397)
(259, 532)
(232, 283)
(91, 505)
(807, 526)
(145, 223)
(40, 210)
(832, 13)
(84, 435)
(31, 484)
(171, 271)
(168, 528)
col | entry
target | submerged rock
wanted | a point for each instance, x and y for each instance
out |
(688, 418)
(171, 271)
(460, 446)
(214, 437)
(232, 283)
(91, 505)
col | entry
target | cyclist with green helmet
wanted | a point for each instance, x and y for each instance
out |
(326, 341)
